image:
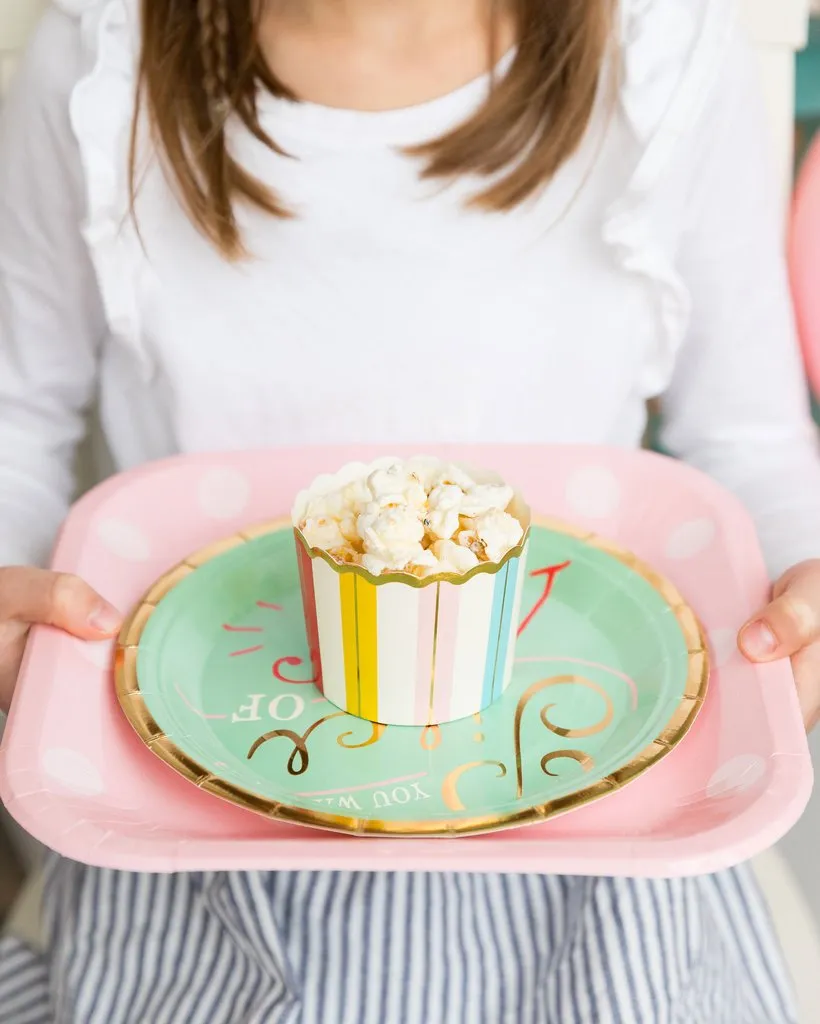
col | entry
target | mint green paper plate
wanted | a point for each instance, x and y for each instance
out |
(214, 673)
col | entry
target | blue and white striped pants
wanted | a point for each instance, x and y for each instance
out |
(339, 948)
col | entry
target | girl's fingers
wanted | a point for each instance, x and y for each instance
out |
(34, 595)
(790, 622)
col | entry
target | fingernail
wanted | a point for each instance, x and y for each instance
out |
(105, 618)
(758, 641)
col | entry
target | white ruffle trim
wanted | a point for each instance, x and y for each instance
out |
(671, 55)
(101, 110)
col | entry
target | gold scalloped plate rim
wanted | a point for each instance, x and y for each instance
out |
(142, 721)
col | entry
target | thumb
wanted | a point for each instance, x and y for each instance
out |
(789, 623)
(56, 599)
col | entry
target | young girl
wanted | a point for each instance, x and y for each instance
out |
(240, 223)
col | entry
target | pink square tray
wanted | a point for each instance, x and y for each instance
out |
(75, 776)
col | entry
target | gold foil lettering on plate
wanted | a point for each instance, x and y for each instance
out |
(590, 730)
(430, 737)
(536, 688)
(449, 791)
(584, 760)
(299, 759)
(377, 730)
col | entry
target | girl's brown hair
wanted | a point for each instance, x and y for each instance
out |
(201, 64)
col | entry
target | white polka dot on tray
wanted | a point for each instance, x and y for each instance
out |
(723, 644)
(593, 492)
(72, 770)
(98, 652)
(124, 539)
(737, 775)
(223, 493)
(690, 538)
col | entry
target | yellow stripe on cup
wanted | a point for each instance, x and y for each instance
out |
(360, 641)
(368, 650)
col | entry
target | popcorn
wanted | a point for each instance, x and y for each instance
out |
(453, 475)
(426, 559)
(390, 530)
(497, 532)
(396, 486)
(424, 564)
(400, 560)
(485, 497)
(420, 517)
(345, 556)
(470, 539)
(323, 532)
(349, 526)
(325, 506)
(445, 496)
(356, 496)
(375, 565)
(453, 557)
(425, 469)
(441, 524)
(444, 503)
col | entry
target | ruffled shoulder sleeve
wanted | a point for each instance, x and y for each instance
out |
(101, 109)
(670, 55)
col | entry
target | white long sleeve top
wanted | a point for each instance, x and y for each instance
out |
(386, 311)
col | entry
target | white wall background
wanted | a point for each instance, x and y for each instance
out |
(778, 28)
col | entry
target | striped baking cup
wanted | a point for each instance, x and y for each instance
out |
(404, 651)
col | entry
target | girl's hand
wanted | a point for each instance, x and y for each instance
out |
(790, 628)
(29, 596)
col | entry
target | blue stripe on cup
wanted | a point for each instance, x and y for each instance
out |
(502, 607)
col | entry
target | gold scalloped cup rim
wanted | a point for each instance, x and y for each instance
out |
(147, 728)
(419, 582)
(518, 508)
